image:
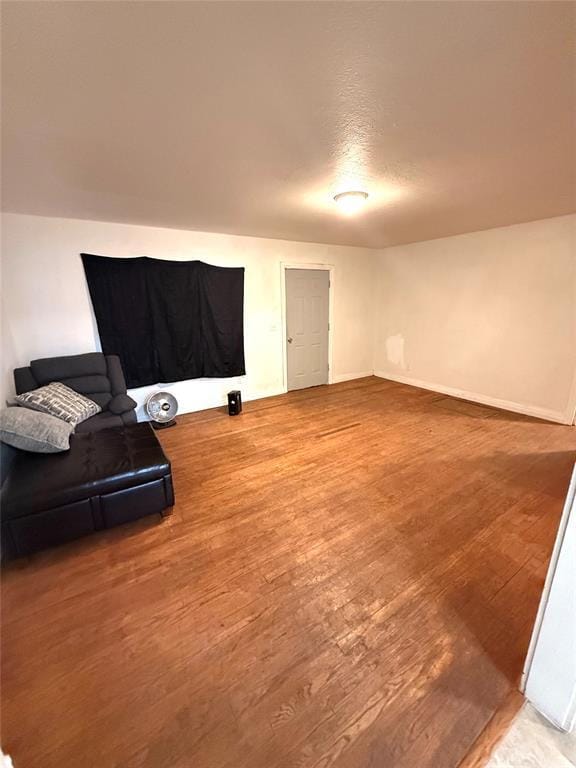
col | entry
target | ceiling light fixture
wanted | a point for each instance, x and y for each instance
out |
(351, 202)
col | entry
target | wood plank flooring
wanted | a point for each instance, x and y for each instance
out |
(349, 578)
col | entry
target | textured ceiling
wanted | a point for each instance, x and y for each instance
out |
(248, 117)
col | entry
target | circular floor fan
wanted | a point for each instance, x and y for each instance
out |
(161, 407)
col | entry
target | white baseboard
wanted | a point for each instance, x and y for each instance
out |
(207, 397)
(350, 376)
(506, 405)
(208, 400)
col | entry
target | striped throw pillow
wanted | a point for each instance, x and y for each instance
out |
(59, 400)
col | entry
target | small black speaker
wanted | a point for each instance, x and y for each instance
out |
(234, 402)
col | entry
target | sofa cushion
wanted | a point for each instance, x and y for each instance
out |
(104, 420)
(102, 398)
(59, 400)
(98, 463)
(34, 431)
(97, 388)
(121, 404)
(87, 385)
(71, 366)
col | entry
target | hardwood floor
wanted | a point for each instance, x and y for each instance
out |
(349, 579)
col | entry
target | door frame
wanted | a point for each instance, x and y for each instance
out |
(294, 265)
(554, 696)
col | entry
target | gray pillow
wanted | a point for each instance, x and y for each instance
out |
(59, 400)
(34, 431)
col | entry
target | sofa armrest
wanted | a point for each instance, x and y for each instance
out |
(116, 375)
(24, 380)
(129, 418)
(121, 404)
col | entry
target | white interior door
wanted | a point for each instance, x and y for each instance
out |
(307, 302)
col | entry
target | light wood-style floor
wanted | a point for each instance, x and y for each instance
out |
(349, 579)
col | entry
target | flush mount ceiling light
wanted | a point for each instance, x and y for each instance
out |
(351, 202)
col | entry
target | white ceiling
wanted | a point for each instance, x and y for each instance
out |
(247, 117)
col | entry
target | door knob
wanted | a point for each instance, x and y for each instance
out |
(290, 339)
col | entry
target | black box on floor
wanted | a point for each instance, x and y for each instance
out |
(234, 402)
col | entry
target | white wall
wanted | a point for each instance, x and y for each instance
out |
(47, 310)
(489, 316)
(549, 679)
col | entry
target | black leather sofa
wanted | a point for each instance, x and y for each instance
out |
(112, 474)
(100, 377)
(108, 477)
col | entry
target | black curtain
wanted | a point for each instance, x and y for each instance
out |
(168, 320)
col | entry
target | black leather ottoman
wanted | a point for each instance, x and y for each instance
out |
(107, 478)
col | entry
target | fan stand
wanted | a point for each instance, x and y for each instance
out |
(163, 424)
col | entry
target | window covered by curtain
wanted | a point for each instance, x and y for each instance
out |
(168, 320)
